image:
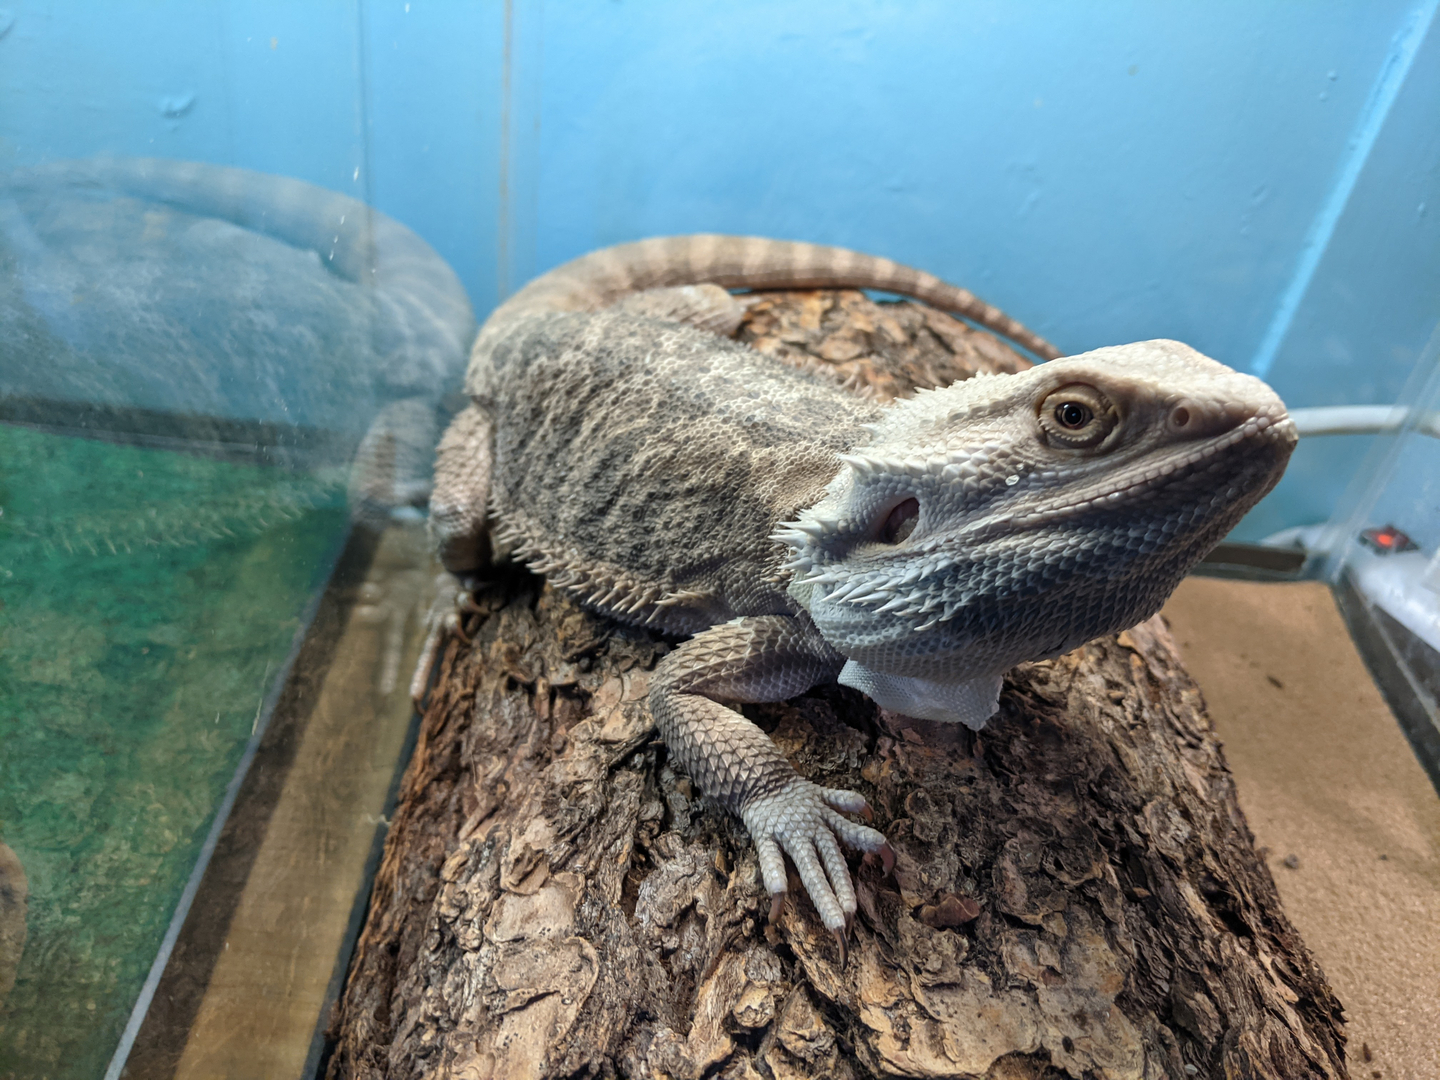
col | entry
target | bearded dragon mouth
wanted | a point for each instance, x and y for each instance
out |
(1123, 487)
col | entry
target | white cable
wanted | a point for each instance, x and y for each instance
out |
(1360, 420)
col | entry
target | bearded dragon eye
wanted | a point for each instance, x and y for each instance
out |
(1076, 417)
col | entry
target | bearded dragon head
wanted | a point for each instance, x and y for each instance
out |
(1013, 517)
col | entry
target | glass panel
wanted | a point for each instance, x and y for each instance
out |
(1382, 551)
(206, 375)
(150, 598)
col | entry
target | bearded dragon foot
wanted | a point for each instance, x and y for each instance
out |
(802, 820)
(454, 599)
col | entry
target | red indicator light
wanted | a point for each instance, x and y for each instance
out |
(1387, 541)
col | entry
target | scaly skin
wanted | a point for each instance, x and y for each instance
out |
(674, 479)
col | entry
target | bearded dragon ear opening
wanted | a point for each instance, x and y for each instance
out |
(900, 522)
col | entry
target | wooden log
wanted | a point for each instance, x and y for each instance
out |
(1076, 893)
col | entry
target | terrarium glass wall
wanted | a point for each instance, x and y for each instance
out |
(209, 377)
(186, 375)
(1381, 550)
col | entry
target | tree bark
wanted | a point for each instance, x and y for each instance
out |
(1075, 894)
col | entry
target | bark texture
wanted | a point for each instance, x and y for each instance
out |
(1076, 893)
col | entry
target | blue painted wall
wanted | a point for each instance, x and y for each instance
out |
(1104, 172)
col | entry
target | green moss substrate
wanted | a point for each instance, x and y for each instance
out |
(149, 600)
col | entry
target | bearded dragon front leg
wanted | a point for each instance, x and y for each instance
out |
(763, 658)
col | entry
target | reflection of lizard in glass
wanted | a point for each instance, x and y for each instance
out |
(216, 298)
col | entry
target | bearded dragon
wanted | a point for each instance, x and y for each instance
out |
(674, 479)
